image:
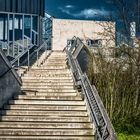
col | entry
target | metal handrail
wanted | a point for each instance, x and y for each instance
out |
(34, 31)
(21, 54)
(42, 46)
(104, 128)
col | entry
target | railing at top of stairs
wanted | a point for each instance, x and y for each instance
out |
(100, 118)
(17, 59)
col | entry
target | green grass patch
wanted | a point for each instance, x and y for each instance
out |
(123, 136)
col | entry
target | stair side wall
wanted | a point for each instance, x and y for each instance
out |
(9, 81)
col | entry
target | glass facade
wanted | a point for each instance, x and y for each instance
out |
(47, 30)
(18, 31)
(20, 25)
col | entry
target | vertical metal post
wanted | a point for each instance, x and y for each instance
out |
(37, 58)
(38, 30)
(27, 42)
(35, 39)
(23, 33)
(8, 35)
(31, 29)
(28, 58)
(18, 62)
(13, 27)
(18, 50)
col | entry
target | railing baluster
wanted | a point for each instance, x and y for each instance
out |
(28, 58)
(37, 58)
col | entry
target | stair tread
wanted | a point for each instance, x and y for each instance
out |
(44, 107)
(47, 102)
(33, 132)
(86, 137)
(35, 97)
(45, 125)
(44, 113)
(44, 119)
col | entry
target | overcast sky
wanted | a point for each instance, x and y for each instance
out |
(95, 10)
(79, 9)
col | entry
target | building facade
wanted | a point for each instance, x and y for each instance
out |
(97, 33)
(20, 24)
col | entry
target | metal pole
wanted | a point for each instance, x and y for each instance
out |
(8, 35)
(37, 58)
(27, 42)
(18, 50)
(31, 29)
(28, 58)
(13, 26)
(34, 38)
(18, 62)
(23, 32)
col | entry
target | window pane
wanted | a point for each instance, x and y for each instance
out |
(18, 28)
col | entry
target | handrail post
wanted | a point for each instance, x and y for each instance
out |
(27, 43)
(28, 58)
(8, 49)
(37, 58)
(34, 38)
(18, 62)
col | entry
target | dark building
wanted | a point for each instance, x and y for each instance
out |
(23, 6)
(20, 24)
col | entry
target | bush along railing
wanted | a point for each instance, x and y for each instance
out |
(102, 123)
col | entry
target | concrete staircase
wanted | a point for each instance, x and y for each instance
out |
(48, 108)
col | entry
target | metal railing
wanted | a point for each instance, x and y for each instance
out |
(44, 46)
(104, 128)
(17, 59)
(28, 41)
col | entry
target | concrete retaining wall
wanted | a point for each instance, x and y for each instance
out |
(10, 82)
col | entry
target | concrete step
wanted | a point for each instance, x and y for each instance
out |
(49, 102)
(48, 68)
(50, 94)
(49, 89)
(44, 113)
(46, 108)
(57, 56)
(47, 78)
(35, 70)
(35, 97)
(40, 85)
(47, 137)
(55, 72)
(45, 132)
(46, 75)
(55, 63)
(40, 125)
(44, 89)
(48, 84)
(52, 67)
(50, 119)
(63, 63)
